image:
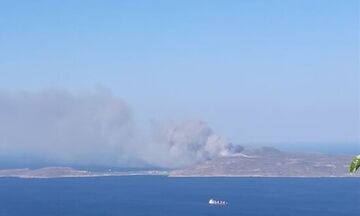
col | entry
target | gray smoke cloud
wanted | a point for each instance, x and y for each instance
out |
(182, 144)
(97, 128)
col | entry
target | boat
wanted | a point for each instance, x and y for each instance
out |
(217, 202)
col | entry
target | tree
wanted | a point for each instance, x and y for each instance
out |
(355, 164)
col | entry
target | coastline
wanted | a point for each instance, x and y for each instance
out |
(68, 172)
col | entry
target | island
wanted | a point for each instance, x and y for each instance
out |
(271, 162)
(68, 172)
(259, 162)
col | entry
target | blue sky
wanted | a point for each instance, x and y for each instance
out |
(255, 71)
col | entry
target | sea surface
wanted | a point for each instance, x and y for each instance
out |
(158, 195)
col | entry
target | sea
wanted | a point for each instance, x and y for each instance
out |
(160, 195)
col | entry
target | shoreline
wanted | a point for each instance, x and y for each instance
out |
(170, 176)
(258, 176)
(68, 172)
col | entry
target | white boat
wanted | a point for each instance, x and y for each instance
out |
(217, 202)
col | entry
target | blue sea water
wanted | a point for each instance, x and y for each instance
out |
(157, 195)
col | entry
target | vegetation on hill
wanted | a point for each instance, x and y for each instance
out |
(355, 164)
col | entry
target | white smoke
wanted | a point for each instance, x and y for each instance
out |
(97, 128)
(187, 143)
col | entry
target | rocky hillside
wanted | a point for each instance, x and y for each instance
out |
(270, 162)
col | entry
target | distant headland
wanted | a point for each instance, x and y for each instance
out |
(68, 172)
(260, 162)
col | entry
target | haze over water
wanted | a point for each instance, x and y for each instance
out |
(107, 83)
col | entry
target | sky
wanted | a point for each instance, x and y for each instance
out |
(254, 71)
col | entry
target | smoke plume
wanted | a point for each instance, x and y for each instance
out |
(182, 144)
(97, 128)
